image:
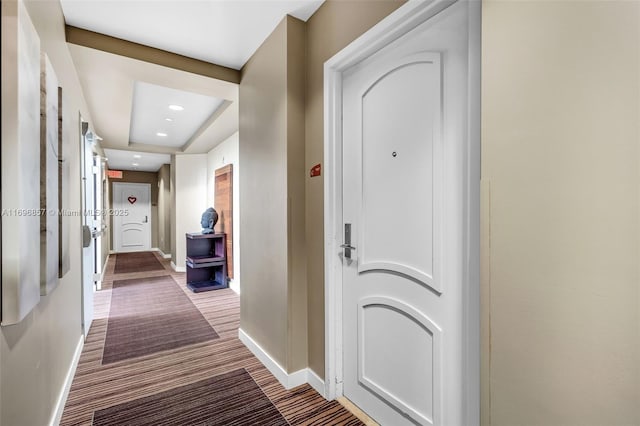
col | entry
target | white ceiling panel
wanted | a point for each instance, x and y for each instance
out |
(224, 32)
(108, 83)
(134, 160)
(156, 117)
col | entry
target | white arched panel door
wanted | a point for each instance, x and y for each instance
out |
(404, 136)
(132, 216)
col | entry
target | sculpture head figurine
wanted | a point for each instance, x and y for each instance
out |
(209, 220)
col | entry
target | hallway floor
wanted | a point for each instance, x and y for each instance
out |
(138, 380)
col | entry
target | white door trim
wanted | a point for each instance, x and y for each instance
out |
(404, 19)
(116, 233)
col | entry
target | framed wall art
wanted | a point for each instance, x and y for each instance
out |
(20, 67)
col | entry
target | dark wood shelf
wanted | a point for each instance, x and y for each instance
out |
(199, 286)
(204, 265)
(204, 259)
(200, 235)
(206, 262)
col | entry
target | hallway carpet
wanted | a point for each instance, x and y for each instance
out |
(149, 315)
(97, 387)
(228, 399)
(137, 262)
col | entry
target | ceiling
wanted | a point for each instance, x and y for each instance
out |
(133, 160)
(108, 83)
(223, 32)
(128, 98)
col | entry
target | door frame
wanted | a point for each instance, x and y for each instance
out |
(87, 148)
(397, 24)
(116, 237)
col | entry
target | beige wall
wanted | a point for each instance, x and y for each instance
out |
(191, 200)
(272, 218)
(130, 176)
(296, 244)
(560, 170)
(330, 29)
(36, 354)
(164, 209)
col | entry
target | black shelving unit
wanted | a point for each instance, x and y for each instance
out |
(206, 262)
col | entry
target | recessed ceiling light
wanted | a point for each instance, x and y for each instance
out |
(137, 156)
(135, 164)
(161, 134)
(176, 107)
(169, 119)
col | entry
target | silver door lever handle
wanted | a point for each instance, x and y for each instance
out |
(347, 241)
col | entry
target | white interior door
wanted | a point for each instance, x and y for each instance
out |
(132, 216)
(88, 222)
(404, 133)
(98, 218)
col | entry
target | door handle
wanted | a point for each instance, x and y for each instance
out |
(145, 220)
(347, 241)
(86, 236)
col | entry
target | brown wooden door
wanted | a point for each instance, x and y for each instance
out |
(224, 207)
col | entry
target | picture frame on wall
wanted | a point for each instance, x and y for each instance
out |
(64, 177)
(49, 174)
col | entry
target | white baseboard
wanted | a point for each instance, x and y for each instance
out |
(235, 286)
(162, 254)
(178, 268)
(288, 380)
(104, 268)
(100, 278)
(316, 382)
(64, 393)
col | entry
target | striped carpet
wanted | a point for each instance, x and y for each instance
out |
(149, 315)
(137, 262)
(99, 387)
(226, 400)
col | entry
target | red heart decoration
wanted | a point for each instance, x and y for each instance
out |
(132, 199)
